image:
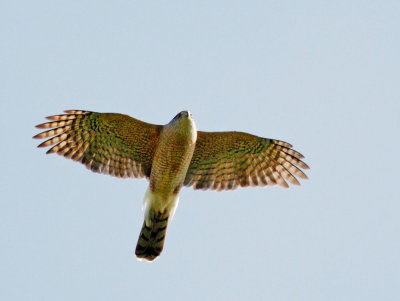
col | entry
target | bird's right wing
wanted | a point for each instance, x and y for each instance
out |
(226, 160)
(108, 143)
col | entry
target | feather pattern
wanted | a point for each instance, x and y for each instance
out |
(108, 143)
(227, 160)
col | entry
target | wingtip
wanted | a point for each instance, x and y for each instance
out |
(43, 144)
(43, 125)
(80, 112)
(284, 185)
(50, 151)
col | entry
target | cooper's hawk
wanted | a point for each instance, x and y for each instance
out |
(169, 156)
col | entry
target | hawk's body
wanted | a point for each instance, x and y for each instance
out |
(171, 161)
(170, 156)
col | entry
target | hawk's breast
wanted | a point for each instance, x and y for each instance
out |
(172, 156)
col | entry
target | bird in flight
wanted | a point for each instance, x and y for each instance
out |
(169, 156)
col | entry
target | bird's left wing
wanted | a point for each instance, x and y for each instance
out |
(109, 143)
(226, 160)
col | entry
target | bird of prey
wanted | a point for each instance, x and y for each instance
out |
(169, 156)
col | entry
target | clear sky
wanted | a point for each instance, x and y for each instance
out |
(322, 75)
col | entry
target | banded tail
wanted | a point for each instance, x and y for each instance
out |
(152, 237)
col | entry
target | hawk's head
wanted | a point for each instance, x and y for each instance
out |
(184, 123)
(183, 114)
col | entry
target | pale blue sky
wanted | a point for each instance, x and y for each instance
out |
(322, 75)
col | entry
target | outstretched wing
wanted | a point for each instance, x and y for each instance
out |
(108, 143)
(226, 160)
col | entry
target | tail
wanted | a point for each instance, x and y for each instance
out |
(152, 236)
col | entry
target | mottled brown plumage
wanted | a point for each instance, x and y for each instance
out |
(226, 160)
(169, 156)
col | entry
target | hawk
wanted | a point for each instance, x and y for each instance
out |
(169, 156)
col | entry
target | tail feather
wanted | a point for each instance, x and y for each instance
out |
(152, 237)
